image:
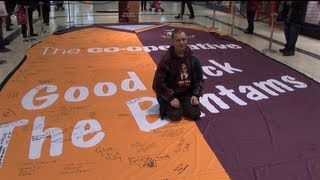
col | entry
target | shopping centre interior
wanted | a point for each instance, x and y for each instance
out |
(85, 13)
(77, 98)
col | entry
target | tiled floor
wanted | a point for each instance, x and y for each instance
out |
(306, 60)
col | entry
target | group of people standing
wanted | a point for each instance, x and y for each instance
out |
(32, 6)
(293, 14)
(18, 7)
(180, 15)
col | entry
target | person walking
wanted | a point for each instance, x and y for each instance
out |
(180, 15)
(143, 5)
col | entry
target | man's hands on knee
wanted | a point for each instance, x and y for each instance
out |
(194, 101)
(175, 103)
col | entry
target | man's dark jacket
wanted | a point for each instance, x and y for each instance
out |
(163, 80)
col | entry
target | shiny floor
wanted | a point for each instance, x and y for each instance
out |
(306, 60)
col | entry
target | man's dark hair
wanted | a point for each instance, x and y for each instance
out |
(176, 31)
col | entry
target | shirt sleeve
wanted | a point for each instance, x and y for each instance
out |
(198, 78)
(160, 81)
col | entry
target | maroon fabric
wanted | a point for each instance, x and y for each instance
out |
(169, 89)
(21, 16)
(274, 138)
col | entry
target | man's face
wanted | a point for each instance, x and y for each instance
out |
(180, 41)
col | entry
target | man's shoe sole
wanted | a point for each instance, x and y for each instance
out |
(288, 53)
